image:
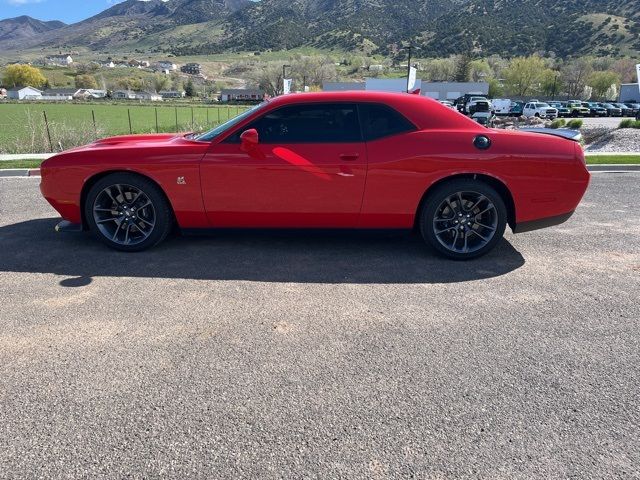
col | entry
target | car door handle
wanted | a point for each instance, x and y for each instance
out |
(349, 156)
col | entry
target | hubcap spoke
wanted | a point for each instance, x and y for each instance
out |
(119, 218)
(454, 224)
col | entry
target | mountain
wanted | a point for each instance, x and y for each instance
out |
(20, 28)
(434, 27)
(516, 27)
(130, 22)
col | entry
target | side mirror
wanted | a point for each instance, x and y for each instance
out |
(249, 139)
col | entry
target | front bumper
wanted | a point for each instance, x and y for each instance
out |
(66, 226)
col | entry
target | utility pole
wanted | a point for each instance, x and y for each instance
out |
(408, 66)
(284, 74)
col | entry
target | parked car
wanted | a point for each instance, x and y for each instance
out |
(563, 111)
(448, 103)
(483, 118)
(540, 110)
(323, 160)
(478, 104)
(635, 107)
(516, 108)
(461, 102)
(624, 109)
(612, 110)
(502, 106)
(576, 109)
(595, 110)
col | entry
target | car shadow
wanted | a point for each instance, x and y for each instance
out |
(268, 256)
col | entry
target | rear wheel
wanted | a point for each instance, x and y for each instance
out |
(127, 212)
(463, 219)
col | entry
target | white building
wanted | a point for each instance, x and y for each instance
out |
(124, 94)
(131, 95)
(59, 94)
(24, 93)
(149, 96)
(172, 94)
(90, 93)
(59, 60)
(165, 66)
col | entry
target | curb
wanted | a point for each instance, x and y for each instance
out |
(20, 172)
(28, 156)
(614, 168)
(587, 153)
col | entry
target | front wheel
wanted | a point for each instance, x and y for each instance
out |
(463, 219)
(127, 212)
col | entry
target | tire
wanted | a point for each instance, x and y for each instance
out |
(133, 207)
(481, 232)
(537, 115)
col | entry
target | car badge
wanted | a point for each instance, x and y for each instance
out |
(181, 181)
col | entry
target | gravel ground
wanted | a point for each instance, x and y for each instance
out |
(618, 140)
(278, 356)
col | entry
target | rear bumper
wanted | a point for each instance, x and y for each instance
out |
(541, 223)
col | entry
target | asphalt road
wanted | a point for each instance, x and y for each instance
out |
(318, 356)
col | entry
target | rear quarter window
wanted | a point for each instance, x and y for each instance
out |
(379, 121)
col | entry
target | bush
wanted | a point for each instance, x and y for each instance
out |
(574, 124)
(557, 123)
(628, 123)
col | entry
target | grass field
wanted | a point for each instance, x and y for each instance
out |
(22, 126)
(613, 159)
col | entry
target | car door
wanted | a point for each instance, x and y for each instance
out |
(308, 169)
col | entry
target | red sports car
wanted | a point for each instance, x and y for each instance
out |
(361, 160)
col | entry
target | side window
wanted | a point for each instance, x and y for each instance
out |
(307, 123)
(380, 121)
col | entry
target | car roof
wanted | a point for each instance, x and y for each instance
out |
(422, 111)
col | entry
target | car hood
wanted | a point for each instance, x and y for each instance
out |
(136, 139)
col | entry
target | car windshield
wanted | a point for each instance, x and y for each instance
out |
(211, 134)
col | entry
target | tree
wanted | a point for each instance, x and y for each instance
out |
(574, 76)
(600, 82)
(496, 89)
(22, 76)
(86, 81)
(189, 89)
(524, 74)
(479, 70)
(161, 82)
(463, 68)
(269, 78)
(550, 83)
